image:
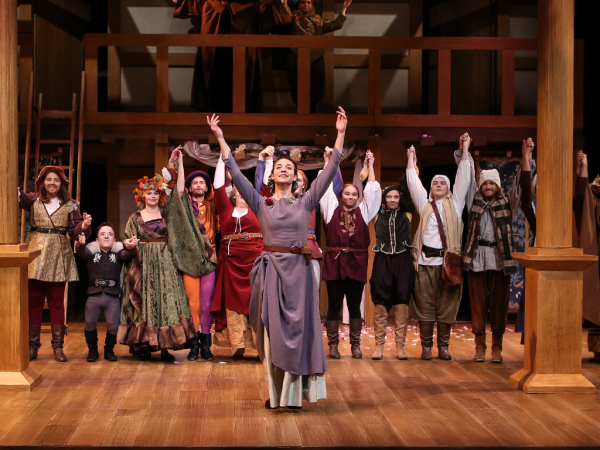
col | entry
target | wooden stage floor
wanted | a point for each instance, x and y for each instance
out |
(221, 404)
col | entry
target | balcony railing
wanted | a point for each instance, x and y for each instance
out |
(374, 45)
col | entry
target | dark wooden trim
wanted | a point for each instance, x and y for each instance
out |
(508, 83)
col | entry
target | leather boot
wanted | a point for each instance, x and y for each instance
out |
(34, 341)
(401, 313)
(443, 340)
(91, 339)
(205, 343)
(426, 333)
(194, 344)
(497, 349)
(58, 339)
(355, 331)
(480, 348)
(380, 319)
(166, 356)
(109, 347)
(333, 338)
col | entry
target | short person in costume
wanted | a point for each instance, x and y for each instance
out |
(54, 218)
(434, 299)
(487, 257)
(241, 244)
(347, 257)
(155, 314)
(200, 290)
(284, 307)
(104, 258)
(393, 276)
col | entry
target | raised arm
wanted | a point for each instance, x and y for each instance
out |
(264, 167)
(369, 207)
(81, 249)
(338, 183)
(26, 201)
(320, 185)
(463, 175)
(417, 191)
(219, 180)
(176, 160)
(338, 23)
(241, 182)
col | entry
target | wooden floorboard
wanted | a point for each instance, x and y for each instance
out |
(387, 403)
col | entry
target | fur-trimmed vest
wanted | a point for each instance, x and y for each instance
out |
(104, 266)
(502, 222)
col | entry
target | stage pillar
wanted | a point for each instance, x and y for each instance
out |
(15, 372)
(554, 270)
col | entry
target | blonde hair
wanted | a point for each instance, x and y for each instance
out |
(231, 194)
(302, 175)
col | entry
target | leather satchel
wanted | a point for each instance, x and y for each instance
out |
(452, 271)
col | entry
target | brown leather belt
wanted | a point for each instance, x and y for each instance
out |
(312, 237)
(234, 237)
(154, 240)
(306, 251)
(346, 249)
(48, 231)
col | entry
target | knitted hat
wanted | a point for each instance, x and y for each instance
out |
(199, 173)
(447, 180)
(489, 175)
(58, 170)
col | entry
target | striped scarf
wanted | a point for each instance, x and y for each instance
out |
(502, 221)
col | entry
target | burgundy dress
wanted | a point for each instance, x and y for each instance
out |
(235, 261)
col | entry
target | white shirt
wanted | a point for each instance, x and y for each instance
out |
(420, 199)
(369, 207)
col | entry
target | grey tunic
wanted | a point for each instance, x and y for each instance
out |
(285, 294)
(486, 258)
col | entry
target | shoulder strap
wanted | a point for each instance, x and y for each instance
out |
(440, 225)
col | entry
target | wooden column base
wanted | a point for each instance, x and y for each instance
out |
(15, 373)
(532, 383)
(553, 310)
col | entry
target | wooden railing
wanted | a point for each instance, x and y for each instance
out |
(374, 45)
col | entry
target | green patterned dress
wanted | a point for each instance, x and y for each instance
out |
(155, 314)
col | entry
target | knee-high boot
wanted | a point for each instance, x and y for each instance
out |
(333, 338)
(58, 339)
(401, 314)
(109, 346)
(355, 331)
(205, 344)
(443, 340)
(426, 333)
(91, 339)
(34, 341)
(380, 319)
(497, 348)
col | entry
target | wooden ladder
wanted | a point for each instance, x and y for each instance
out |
(70, 170)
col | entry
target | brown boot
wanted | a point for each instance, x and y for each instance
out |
(34, 341)
(380, 319)
(480, 348)
(426, 333)
(58, 339)
(333, 338)
(443, 340)
(355, 330)
(497, 349)
(401, 314)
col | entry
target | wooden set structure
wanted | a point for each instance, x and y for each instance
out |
(554, 269)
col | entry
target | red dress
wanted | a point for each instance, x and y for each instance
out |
(235, 260)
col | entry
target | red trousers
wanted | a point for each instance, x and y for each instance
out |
(54, 293)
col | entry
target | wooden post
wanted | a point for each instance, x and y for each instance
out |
(304, 81)
(444, 81)
(374, 81)
(415, 73)
(239, 79)
(15, 372)
(161, 152)
(554, 277)
(374, 144)
(162, 77)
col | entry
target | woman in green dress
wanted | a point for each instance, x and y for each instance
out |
(155, 314)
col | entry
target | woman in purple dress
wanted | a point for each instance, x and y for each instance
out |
(284, 306)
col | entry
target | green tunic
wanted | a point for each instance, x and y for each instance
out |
(155, 314)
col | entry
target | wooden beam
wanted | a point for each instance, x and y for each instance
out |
(162, 78)
(91, 79)
(374, 81)
(444, 82)
(239, 79)
(303, 81)
(508, 82)
(161, 152)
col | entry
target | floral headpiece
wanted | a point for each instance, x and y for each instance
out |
(595, 186)
(158, 183)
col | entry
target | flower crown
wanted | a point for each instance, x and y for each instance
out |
(157, 183)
